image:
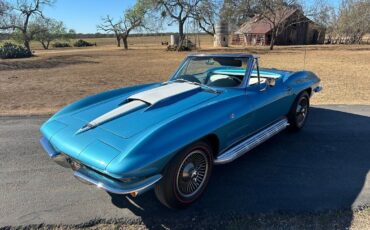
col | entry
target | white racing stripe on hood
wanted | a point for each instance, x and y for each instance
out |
(157, 94)
(125, 108)
(141, 100)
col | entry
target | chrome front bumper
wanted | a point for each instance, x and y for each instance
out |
(89, 176)
(114, 186)
(57, 157)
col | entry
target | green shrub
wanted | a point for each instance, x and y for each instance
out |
(83, 43)
(61, 45)
(10, 50)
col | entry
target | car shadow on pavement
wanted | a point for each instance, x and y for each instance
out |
(323, 167)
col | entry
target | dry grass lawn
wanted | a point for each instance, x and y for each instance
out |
(54, 78)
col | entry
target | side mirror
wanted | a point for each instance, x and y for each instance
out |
(263, 86)
(271, 82)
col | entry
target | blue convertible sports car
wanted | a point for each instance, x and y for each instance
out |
(213, 109)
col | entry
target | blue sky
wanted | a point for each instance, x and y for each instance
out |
(84, 15)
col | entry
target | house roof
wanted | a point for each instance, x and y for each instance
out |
(258, 25)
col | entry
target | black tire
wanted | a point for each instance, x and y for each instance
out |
(186, 176)
(298, 113)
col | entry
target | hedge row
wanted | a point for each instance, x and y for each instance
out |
(9, 50)
(61, 45)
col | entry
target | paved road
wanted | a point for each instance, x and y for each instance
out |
(326, 166)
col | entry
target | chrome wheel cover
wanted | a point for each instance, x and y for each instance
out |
(192, 173)
(301, 111)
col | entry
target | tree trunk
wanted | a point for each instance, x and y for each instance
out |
(272, 41)
(44, 45)
(181, 35)
(273, 38)
(118, 41)
(317, 39)
(125, 43)
(26, 42)
(26, 39)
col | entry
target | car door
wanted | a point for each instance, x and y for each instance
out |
(254, 110)
(269, 102)
(256, 106)
(241, 120)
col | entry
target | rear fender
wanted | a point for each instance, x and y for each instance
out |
(301, 80)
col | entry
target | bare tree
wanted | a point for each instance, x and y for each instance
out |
(177, 11)
(347, 24)
(3, 7)
(353, 20)
(48, 31)
(275, 13)
(322, 15)
(236, 12)
(133, 18)
(109, 26)
(207, 14)
(18, 16)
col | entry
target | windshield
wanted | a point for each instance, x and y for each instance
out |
(213, 71)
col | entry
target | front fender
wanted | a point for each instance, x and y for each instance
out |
(157, 146)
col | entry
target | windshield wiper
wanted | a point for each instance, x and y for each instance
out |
(205, 87)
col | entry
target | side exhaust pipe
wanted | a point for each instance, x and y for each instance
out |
(251, 142)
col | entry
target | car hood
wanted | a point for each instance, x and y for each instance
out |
(126, 117)
(98, 133)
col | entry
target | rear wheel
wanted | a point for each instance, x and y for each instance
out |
(186, 177)
(298, 114)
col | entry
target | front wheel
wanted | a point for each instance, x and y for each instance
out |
(186, 176)
(298, 113)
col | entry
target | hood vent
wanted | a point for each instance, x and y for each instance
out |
(156, 95)
(141, 100)
(119, 111)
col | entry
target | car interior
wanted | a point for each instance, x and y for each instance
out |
(222, 72)
(215, 79)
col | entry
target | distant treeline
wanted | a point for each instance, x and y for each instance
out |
(4, 36)
(100, 35)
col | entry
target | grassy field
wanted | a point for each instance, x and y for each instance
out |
(56, 77)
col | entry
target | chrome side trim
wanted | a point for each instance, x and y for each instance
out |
(251, 142)
(317, 89)
(114, 186)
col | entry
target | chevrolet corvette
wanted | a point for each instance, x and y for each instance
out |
(169, 135)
